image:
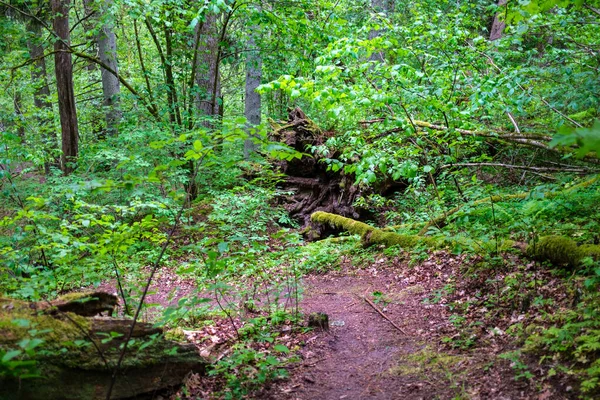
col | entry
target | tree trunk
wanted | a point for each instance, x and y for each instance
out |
(207, 76)
(41, 94)
(63, 67)
(497, 26)
(170, 79)
(252, 104)
(84, 372)
(111, 88)
(107, 53)
(379, 6)
(88, 23)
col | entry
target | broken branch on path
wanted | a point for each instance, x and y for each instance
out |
(369, 302)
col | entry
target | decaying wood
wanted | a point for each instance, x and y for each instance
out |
(313, 187)
(539, 141)
(558, 250)
(78, 350)
(570, 169)
(84, 304)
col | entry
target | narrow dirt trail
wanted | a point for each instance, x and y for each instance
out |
(363, 356)
(352, 360)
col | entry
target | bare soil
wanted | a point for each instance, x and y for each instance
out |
(429, 354)
(363, 356)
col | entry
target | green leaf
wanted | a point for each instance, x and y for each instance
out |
(281, 348)
(10, 355)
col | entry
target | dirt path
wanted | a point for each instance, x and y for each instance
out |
(363, 356)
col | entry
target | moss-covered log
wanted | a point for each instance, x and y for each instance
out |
(562, 251)
(558, 250)
(370, 235)
(76, 354)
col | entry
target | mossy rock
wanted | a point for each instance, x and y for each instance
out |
(77, 355)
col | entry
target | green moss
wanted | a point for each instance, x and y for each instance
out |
(559, 250)
(507, 245)
(175, 334)
(590, 250)
(371, 235)
(425, 362)
(337, 221)
(17, 318)
(74, 296)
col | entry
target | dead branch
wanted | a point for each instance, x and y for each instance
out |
(521, 167)
(369, 302)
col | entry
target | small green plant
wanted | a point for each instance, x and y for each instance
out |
(18, 362)
(247, 369)
(519, 367)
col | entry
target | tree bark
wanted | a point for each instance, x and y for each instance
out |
(497, 26)
(111, 88)
(252, 106)
(107, 53)
(41, 94)
(207, 76)
(63, 67)
(84, 372)
(378, 6)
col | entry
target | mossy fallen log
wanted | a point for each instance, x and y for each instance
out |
(559, 250)
(371, 235)
(562, 251)
(75, 355)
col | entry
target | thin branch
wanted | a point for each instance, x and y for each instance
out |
(131, 89)
(143, 66)
(592, 9)
(369, 302)
(521, 167)
(155, 268)
(514, 122)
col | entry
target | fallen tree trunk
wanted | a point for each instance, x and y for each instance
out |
(558, 250)
(539, 141)
(57, 350)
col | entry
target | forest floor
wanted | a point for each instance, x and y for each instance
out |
(363, 356)
(436, 350)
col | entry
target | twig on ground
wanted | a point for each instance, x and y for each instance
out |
(383, 315)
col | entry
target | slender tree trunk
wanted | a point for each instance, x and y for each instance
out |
(63, 67)
(170, 78)
(207, 76)
(252, 104)
(111, 88)
(107, 53)
(41, 95)
(379, 6)
(91, 15)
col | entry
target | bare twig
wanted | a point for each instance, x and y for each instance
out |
(155, 268)
(521, 167)
(369, 302)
